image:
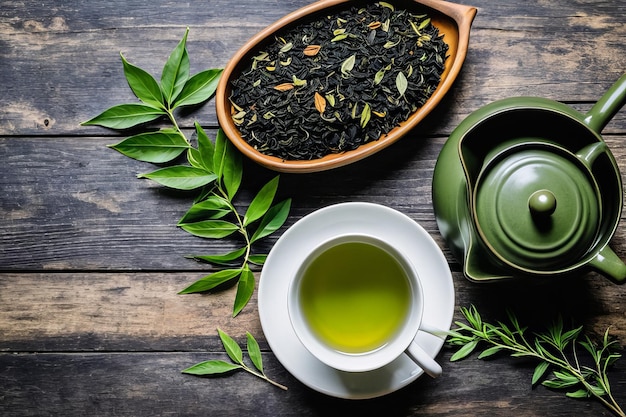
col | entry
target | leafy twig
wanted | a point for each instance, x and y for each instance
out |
(554, 349)
(217, 367)
(214, 169)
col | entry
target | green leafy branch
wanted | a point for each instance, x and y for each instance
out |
(215, 169)
(218, 367)
(555, 349)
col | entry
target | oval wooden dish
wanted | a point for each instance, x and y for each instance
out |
(454, 23)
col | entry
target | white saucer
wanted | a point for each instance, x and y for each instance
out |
(289, 251)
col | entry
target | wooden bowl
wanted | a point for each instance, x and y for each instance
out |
(453, 21)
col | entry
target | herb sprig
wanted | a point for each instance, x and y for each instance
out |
(218, 367)
(214, 169)
(555, 349)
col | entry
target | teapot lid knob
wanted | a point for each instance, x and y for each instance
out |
(542, 203)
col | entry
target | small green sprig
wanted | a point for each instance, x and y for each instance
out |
(215, 169)
(555, 349)
(219, 367)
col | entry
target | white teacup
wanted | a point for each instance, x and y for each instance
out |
(356, 303)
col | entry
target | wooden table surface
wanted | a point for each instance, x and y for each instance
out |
(91, 259)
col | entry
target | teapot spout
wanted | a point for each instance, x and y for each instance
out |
(479, 266)
(609, 264)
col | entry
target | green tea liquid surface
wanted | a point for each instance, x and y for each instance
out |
(355, 297)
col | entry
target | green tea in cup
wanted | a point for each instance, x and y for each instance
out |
(354, 296)
(356, 304)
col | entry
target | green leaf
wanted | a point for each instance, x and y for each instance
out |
(556, 384)
(180, 177)
(562, 380)
(401, 83)
(212, 208)
(571, 335)
(539, 372)
(193, 157)
(261, 202)
(219, 153)
(232, 348)
(206, 148)
(257, 259)
(272, 220)
(339, 37)
(232, 170)
(212, 367)
(581, 393)
(125, 116)
(222, 259)
(540, 348)
(176, 71)
(379, 76)
(348, 65)
(254, 352)
(211, 281)
(489, 352)
(462, 326)
(366, 115)
(504, 334)
(145, 87)
(210, 229)
(198, 88)
(424, 23)
(472, 316)
(596, 390)
(156, 147)
(589, 347)
(464, 351)
(245, 288)
(610, 360)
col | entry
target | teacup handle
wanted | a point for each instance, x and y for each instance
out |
(423, 359)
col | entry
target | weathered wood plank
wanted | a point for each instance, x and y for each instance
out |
(68, 56)
(109, 384)
(72, 203)
(91, 259)
(78, 312)
(116, 312)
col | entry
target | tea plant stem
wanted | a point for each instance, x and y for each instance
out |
(242, 228)
(172, 118)
(550, 349)
(574, 369)
(262, 376)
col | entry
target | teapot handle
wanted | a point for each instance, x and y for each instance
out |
(589, 153)
(609, 264)
(609, 104)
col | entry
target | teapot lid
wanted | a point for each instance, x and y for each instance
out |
(537, 207)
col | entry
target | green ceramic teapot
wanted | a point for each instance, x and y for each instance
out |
(526, 186)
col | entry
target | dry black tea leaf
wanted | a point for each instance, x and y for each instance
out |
(315, 90)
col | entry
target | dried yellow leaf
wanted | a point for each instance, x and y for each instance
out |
(374, 25)
(320, 102)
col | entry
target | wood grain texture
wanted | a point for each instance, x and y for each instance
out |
(69, 203)
(110, 384)
(61, 63)
(76, 312)
(91, 259)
